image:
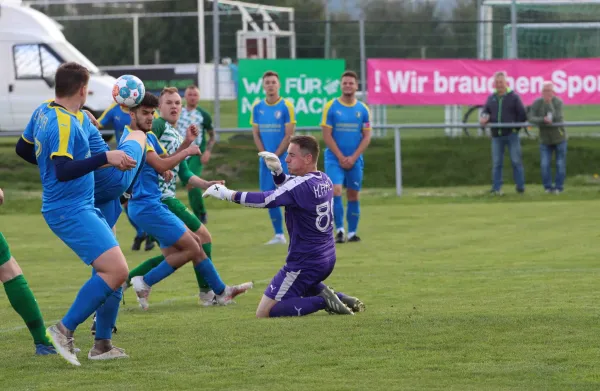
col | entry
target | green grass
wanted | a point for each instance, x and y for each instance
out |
(464, 291)
(421, 114)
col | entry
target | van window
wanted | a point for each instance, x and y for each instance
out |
(34, 61)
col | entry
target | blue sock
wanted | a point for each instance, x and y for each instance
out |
(91, 296)
(159, 273)
(353, 215)
(338, 212)
(106, 315)
(276, 220)
(297, 306)
(210, 274)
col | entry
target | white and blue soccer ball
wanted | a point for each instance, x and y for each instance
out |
(128, 91)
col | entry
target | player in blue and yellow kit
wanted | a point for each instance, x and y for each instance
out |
(119, 119)
(347, 133)
(62, 152)
(273, 123)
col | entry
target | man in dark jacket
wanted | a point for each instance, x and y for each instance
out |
(544, 112)
(505, 106)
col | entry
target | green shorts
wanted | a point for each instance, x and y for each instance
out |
(184, 214)
(4, 250)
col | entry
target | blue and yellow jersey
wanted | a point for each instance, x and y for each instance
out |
(146, 187)
(117, 117)
(55, 132)
(271, 120)
(347, 123)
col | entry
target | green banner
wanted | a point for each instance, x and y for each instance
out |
(308, 84)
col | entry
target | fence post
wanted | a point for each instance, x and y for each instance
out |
(136, 39)
(201, 47)
(398, 159)
(513, 30)
(216, 60)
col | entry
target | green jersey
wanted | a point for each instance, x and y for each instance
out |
(171, 140)
(197, 117)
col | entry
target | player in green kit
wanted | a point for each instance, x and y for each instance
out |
(165, 129)
(191, 114)
(21, 297)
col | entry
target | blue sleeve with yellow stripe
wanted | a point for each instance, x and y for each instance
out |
(366, 117)
(290, 115)
(28, 134)
(61, 138)
(108, 115)
(328, 118)
(155, 145)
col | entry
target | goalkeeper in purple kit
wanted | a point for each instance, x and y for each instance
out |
(307, 196)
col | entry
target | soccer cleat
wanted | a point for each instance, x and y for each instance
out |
(340, 238)
(137, 242)
(142, 290)
(334, 304)
(113, 353)
(64, 345)
(44, 350)
(149, 244)
(277, 239)
(203, 218)
(353, 303)
(207, 299)
(231, 292)
(353, 238)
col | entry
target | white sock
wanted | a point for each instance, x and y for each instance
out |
(281, 236)
(351, 234)
(340, 230)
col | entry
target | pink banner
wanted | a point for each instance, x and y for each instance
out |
(469, 82)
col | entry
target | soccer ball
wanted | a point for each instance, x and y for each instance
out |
(128, 91)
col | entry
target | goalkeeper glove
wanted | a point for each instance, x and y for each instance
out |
(220, 192)
(272, 161)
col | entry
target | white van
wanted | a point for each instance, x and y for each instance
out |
(31, 49)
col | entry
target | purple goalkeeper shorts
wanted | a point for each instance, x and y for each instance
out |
(295, 281)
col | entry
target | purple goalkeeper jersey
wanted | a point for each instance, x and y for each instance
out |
(308, 202)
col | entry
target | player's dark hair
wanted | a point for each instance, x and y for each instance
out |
(70, 77)
(270, 73)
(149, 100)
(307, 144)
(350, 74)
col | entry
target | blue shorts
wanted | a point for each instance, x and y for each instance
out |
(111, 211)
(265, 178)
(84, 230)
(294, 281)
(351, 179)
(156, 220)
(110, 183)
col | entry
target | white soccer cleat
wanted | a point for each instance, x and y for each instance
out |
(142, 290)
(277, 239)
(231, 292)
(207, 299)
(112, 354)
(64, 345)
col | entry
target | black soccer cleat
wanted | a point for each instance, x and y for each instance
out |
(354, 238)
(114, 330)
(340, 238)
(149, 244)
(137, 242)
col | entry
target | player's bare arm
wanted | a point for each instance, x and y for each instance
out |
(212, 140)
(366, 140)
(190, 136)
(257, 140)
(283, 146)
(168, 163)
(1, 197)
(330, 142)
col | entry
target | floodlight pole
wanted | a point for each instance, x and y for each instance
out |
(201, 34)
(216, 60)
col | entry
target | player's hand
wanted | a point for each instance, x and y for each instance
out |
(346, 163)
(1, 197)
(271, 160)
(120, 160)
(191, 133)
(92, 118)
(205, 157)
(167, 175)
(219, 191)
(193, 150)
(210, 183)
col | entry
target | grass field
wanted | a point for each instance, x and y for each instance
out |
(420, 114)
(463, 291)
